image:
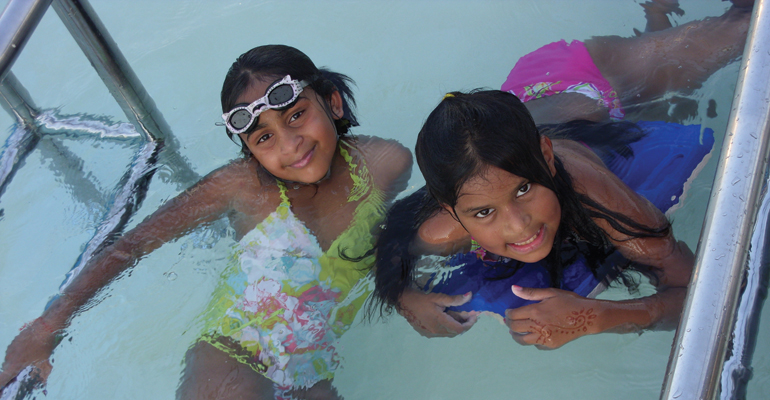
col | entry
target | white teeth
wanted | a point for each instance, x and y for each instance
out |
(528, 241)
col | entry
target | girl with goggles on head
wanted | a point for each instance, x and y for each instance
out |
(303, 201)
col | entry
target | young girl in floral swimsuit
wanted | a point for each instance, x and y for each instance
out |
(304, 202)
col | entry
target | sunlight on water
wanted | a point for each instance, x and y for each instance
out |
(404, 56)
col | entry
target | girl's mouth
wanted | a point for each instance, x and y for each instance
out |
(304, 160)
(529, 244)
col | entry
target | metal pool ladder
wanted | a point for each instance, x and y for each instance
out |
(17, 22)
(712, 351)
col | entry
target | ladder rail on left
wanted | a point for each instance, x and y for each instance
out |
(155, 139)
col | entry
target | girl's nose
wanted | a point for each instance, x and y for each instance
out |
(290, 141)
(517, 220)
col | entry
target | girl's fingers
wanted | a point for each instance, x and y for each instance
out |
(525, 339)
(449, 325)
(532, 293)
(521, 326)
(463, 316)
(527, 334)
(453, 301)
(516, 314)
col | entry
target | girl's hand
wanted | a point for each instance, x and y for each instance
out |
(427, 313)
(560, 316)
(32, 347)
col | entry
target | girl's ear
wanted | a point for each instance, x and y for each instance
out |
(547, 148)
(335, 103)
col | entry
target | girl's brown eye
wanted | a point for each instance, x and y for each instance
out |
(297, 115)
(524, 189)
(484, 213)
(264, 138)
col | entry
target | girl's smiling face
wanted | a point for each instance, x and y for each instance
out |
(297, 143)
(508, 215)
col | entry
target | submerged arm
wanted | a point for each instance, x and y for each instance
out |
(202, 203)
(416, 226)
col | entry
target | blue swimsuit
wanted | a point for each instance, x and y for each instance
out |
(662, 164)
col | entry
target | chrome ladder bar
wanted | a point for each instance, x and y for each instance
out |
(97, 44)
(707, 328)
(21, 17)
(17, 22)
(23, 140)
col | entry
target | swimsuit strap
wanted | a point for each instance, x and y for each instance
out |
(285, 205)
(362, 181)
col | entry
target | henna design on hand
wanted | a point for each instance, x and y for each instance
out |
(578, 322)
(412, 319)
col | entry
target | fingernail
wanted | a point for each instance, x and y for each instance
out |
(515, 288)
(467, 294)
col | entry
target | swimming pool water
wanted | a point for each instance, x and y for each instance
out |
(404, 55)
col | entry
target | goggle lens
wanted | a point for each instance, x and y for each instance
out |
(280, 95)
(240, 119)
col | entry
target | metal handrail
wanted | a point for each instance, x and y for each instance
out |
(13, 98)
(17, 22)
(97, 44)
(21, 17)
(737, 370)
(709, 315)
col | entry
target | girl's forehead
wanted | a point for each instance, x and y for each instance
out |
(258, 85)
(254, 91)
(258, 88)
(490, 178)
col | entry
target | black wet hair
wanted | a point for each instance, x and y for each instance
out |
(469, 132)
(272, 62)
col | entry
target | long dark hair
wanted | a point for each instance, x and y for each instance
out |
(469, 132)
(271, 62)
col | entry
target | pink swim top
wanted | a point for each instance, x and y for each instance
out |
(561, 68)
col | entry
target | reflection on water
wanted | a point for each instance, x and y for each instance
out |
(141, 327)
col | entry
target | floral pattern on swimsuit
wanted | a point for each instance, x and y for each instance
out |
(562, 67)
(285, 301)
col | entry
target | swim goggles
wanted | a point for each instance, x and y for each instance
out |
(278, 95)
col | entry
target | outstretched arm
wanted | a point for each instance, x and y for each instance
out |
(562, 316)
(204, 202)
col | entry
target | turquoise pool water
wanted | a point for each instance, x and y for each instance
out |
(404, 55)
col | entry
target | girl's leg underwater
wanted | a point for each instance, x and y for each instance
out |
(212, 374)
(681, 58)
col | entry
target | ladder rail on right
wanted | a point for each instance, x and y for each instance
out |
(731, 260)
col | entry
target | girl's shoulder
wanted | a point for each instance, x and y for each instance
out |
(592, 178)
(235, 170)
(233, 177)
(586, 169)
(377, 149)
(387, 159)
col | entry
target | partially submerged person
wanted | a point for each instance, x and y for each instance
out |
(512, 197)
(304, 201)
(614, 77)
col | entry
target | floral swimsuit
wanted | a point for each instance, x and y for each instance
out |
(285, 301)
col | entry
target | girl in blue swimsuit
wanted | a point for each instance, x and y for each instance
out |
(534, 220)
